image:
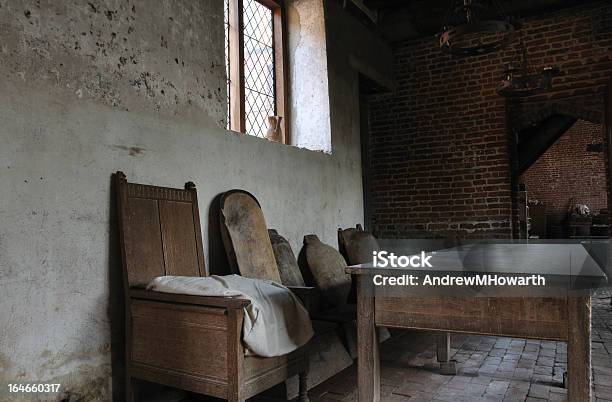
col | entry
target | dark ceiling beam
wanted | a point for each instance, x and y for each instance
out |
(380, 4)
(426, 17)
(368, 11)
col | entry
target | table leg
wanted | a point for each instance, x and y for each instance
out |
(447, 366)
(368, 361)
(579, 349)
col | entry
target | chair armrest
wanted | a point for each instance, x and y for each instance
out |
(308, 295)
(211, 301)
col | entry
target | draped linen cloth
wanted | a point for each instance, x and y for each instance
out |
(275, 323)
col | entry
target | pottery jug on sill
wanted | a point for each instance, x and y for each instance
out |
(274, 132)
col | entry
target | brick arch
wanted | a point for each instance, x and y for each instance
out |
(574, 109)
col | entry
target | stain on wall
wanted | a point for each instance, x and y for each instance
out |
(126, 54)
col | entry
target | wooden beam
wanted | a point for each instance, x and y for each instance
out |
(371, 14)
(236, 64)
(579, 349)
(608, 139)
(271, 3)
(281, 72)
(235, 356)
(376, 4)
(368, 359)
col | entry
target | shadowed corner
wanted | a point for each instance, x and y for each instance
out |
(217, 259)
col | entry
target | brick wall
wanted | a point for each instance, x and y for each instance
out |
(440, 148)
(568, 170)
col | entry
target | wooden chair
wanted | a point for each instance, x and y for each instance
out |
(183, 341)
(356, 245)
(251, 254)
(247, 242)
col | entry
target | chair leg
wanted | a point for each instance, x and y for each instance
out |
(303, 387)
(235, 393)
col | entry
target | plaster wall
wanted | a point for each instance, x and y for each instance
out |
(91, 88)
(309, 96)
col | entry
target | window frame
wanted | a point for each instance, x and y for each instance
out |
(236, 71)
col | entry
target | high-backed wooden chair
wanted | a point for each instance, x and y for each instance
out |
(183, 341)
(247, 242)
(251, 254)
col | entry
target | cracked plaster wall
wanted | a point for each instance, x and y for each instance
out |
(89, 88)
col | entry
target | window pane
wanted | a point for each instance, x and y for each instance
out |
(258, 67)
(258, 22)
(258, 107)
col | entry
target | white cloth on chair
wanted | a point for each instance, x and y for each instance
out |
(275, 323)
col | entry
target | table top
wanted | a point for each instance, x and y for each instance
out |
(570, 260)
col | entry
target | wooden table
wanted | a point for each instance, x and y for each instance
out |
(563, 314)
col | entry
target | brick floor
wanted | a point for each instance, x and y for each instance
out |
(489, 368)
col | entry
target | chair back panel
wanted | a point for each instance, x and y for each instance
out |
(144, 256)
(245, 237)
(159, 230)
(178, 238)
(357, 245)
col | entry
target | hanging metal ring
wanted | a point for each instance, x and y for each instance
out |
(449, 36)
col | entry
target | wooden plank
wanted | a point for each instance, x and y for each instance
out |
(443, 343)
(579, 349)
(608, 135)
(228, 302)
(281, 72)
(121, 187)
(540, 318)
(235, 356)
(179, 238)
(142, 241)
(368, 361)
(443, 346)
(270, 3)
(135, 190)
(246, 238)
(236, 57)
(303, 386)
(159, 375)
(511, 308)
(179, 339)
(190, 186)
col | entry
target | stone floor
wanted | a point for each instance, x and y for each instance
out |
(489, 368)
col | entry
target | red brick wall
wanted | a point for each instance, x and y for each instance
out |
(440, 150)
(567, 170)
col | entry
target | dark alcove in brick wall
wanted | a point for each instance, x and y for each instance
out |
(572, 170)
